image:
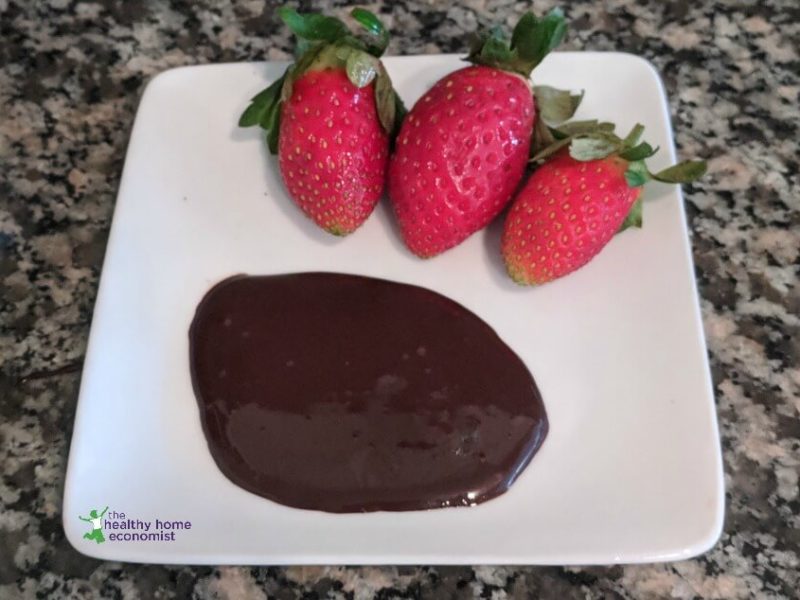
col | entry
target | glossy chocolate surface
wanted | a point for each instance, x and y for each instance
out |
(344, 393)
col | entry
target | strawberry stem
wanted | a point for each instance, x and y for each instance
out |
(633, 137)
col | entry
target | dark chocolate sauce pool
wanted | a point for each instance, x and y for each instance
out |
(347, 394)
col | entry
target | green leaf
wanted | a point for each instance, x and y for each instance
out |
(313, 26)
(634, 218)
(523, 30)
(531, 40)
(555, 106)
(491, 49)
(261, 103)
(301, 46)
(548, 151)
(588, 140)
(593, 146)
(633, 137)
(475, 41)
(253, 114)
(639, 152)
(368, 20)
(683, 172)
(400, 113)
(274, 131)
(541, 137)
(553, 28)
(636, 174)
(581, 127)
(361, 68)
(385, 100)
(271, 115)
(495, 50)
(342, 52)
(288, 86)
(538, 37)
(301, 66)
(374, 27)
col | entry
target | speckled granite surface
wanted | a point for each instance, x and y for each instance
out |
(70, 78)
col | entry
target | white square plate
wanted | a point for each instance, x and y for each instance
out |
(631, 470)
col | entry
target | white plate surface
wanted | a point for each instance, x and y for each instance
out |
(631, 470)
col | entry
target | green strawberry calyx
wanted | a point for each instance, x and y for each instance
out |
(325, 42)
(596, 140)
(532, 39)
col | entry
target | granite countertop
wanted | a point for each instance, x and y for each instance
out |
(71, 75)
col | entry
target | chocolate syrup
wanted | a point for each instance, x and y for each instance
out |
(344, 393)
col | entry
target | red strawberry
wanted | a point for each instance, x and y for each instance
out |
(462, 150)
(564, 215)
(329, 118)
(576, 202)
(333, 150)
(460, 156)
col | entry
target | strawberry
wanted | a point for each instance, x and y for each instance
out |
(463, 148)
(573, 204)
(332, 150)
(330, 119)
